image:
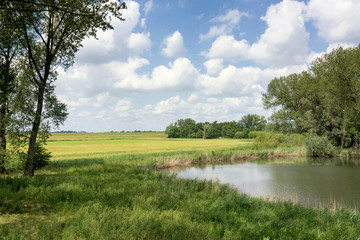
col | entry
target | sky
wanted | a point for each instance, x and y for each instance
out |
(208, 60)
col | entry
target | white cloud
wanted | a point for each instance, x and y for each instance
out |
(174, 45)
(337, 21)
(148, 6)
(213, 66)
(232, 17)
(114, 44)
(180, 75)
(242, 81)
(171, 105)
(138, 42)
(227, 22)
(285, 41)
(227, 48)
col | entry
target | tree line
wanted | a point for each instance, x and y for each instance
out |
(189, 128)
(37, 37)
(323, 101)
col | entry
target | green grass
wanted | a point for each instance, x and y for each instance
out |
(120, 195)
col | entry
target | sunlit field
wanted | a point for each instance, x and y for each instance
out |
(108, 186)
(82, 144)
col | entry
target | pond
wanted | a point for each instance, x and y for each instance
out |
(319, 183)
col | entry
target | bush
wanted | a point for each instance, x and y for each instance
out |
(317, 146)
(253, 134)
(242, 134)
(41, 157)
(274, 140)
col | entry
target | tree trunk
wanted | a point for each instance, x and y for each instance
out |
(29, 169)
(343, 137)
(2, 138)
(3, 112)
(356, 145)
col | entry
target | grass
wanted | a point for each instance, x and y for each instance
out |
(119, 195)
(85, 144)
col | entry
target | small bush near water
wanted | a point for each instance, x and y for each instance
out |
(317, 146)
(273, 140)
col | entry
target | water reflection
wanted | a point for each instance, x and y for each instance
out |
(312, 182)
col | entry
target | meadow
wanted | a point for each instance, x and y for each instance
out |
(108, 186)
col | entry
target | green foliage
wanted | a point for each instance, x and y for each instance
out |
(242, 134)
(253, 134)
(172, 131)
(265, 140)
(253, 122)
(324, 101)
(318, 146)
(188, 128)
(41, 157)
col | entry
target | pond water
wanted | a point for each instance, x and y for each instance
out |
(320, 183)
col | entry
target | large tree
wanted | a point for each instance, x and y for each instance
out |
(53, 31)
(323, 101)
(9, 50)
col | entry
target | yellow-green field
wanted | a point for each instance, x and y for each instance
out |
(106, 186)
(84, 144)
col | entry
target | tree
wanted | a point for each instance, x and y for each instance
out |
(229, 129)
(324, 101)
(253, 122)
(172, 131)
(9, 50)
(339, 72)
(53, 31)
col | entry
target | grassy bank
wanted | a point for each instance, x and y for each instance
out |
(120, 195)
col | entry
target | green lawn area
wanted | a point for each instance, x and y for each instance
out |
(106, 186)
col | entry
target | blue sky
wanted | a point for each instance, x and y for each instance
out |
(203, 59)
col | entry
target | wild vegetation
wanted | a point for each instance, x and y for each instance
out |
(118, 194)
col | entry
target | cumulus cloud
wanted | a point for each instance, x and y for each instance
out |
(337, 21)
(179, 75)
(118, 44)
(138, 42)
(227, 48)
(174, 45)
(214, 66)
(226, 23)
(285, 41)
(242, 81)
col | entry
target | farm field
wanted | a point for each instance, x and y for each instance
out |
(82, 144)
(107, 186)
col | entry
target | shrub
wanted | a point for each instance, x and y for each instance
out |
(317, 146)
(242, 134)
(253, 134)
(41, 157)
(274, 140)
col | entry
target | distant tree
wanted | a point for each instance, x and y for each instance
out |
(229, 129)
(172, 131)
(186, 127)
(213, 130)
(253, 122)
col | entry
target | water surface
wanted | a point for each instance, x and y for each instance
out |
(324, 182)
